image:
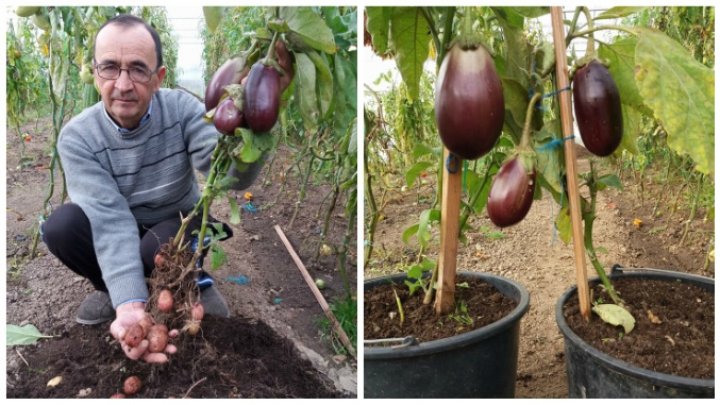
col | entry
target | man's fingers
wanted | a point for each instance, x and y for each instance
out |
(170, 349)
(134, 353)
(155, 358)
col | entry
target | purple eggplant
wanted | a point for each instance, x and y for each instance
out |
(285, 61)
(261, 98)
(511, 193)
(227, 117)
(597, 108)
(231, 72)
(469, 103)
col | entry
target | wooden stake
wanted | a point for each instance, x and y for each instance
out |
(318, 295)
(449, 230)
(567, 129)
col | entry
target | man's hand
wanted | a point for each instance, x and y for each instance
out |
(128, 316)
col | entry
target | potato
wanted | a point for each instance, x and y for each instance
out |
(165, 301)
(146, 323)
(158, 338)
(197, 313)
(117, 395)
(159, 260)
(192, 327)
(134, 335)
(132, 385)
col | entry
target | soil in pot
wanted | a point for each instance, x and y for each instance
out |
(674, 330)
(231, 358)
(477, 304)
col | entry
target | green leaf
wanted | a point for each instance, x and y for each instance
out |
(517, 47)
(415, 272)
(306, 79)
(378, 25)
(474, 183)
(213, 15)
(249, 152)
(324, 82)
(411, 41)
(531, 12)
(549, 161)
(610, 180)
(420, 150)
(615, 315)
(509, 16)
(620, 57)
(310, 27)
(516, 101)
(564, 225)
(632, 122)
(618, 12)
(234, 211)
(412, 174)
(410, 232)
(426, 218)
(22, 335)
(217, 256)
(681, 93)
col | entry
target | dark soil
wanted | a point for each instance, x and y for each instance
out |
(233, 358)
(484, 304)
(680, 342)
(260, 282)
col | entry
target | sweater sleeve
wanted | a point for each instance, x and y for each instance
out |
(114, 229)
(201, 138)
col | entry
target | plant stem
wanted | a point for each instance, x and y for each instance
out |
(212, 175)
(603, 27)
(589, 219)
(693, 211)
(271, 51)
(525, 139)
(590, 50)
(399, 307)
(572, 27)
(447, 34)
(473, 199)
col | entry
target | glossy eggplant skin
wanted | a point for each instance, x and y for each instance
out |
(231, 72)
(469, 103)
(261, 98)
(597, 109)
(285, 60)
(227, 117)
(511, 193)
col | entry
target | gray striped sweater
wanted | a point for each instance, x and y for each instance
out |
(142, 177)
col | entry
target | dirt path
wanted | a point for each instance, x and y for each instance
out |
(259, 281)
(532, 254)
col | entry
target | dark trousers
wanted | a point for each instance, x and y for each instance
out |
(68, 236)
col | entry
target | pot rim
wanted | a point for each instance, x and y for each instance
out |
(457, 341)
(668, 380)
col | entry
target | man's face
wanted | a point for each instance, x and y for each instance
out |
(127, 48)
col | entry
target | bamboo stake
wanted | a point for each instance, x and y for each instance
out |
(318, 295)
(567, 129)
(449, 230)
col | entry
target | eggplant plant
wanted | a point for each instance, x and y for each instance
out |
(512, 128)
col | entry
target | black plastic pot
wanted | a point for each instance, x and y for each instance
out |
(594, 374)
(478, 364)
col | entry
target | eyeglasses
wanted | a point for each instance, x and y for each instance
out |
(111, 71)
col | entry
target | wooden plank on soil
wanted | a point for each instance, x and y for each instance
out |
(449, 230)
(316, 292)
(567, 129)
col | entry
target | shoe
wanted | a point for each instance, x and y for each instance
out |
(214, 303)
(96, 308)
